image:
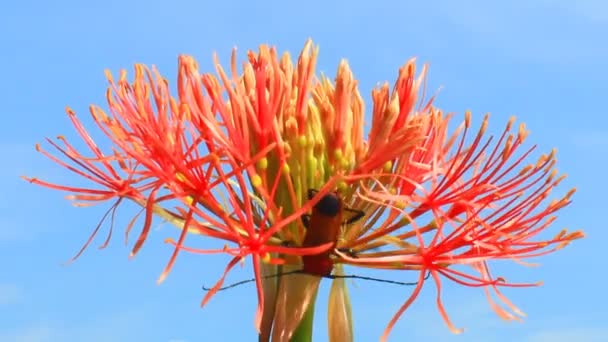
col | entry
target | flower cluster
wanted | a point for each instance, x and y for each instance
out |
(231, 158)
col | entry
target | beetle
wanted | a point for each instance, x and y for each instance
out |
(323, 226)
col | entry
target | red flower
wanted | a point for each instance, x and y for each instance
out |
(232, 158)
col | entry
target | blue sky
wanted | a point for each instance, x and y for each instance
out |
(544, 61)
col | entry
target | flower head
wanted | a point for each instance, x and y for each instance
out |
(243, 158)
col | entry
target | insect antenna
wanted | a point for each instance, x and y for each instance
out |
(276, 275)
(352, 276)
(353, 254)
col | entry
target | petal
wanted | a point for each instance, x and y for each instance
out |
(296, 292)
(270, 287)
(339, 314)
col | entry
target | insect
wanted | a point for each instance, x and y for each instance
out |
(323, 226)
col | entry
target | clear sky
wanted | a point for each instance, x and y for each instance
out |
(542, 60)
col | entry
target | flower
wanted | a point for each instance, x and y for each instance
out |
(232, 158)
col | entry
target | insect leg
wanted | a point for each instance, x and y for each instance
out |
(312, 193)
(357, 215)
(306, 220)
(348, 251)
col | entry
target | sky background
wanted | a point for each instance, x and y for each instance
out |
(544, 61)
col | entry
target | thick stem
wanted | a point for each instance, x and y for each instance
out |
(304, 331)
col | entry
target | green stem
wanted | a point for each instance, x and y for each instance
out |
(304, 331)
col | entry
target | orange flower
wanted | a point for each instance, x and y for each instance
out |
(232, 158)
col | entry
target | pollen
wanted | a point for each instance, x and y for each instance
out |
(400, 205)
(256, 181)
(180, 177)
(302, 141)
(523, 133)
(262, 164)
(388, 166)
(345, 163)
(338, 154)
(312, 162)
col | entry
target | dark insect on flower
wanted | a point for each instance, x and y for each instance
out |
(323, 226)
